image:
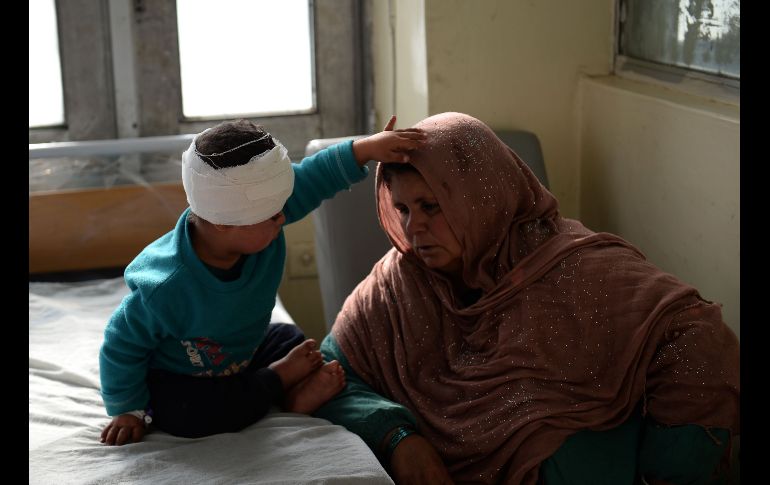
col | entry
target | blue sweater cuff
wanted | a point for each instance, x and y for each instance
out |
(116, 406)
(346, 163)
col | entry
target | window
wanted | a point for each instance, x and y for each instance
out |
(698, 39)
(82, 31)
(235, 62)
(129, 68)
(46, 99)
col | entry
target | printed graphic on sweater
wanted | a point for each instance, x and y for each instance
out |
(202, 345)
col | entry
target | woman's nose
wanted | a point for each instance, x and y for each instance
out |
(414, 224)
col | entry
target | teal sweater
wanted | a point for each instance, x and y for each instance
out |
(179, 317)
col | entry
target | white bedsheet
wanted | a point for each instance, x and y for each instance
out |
(66, 415)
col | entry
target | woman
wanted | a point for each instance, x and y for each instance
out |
(498, 342)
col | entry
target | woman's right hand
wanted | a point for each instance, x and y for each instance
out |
(416, 461)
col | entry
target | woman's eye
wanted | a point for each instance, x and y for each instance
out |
(430, 207)
(402, 209)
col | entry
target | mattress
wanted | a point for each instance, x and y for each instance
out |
(66, 415)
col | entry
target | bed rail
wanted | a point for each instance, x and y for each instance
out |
(122, 146)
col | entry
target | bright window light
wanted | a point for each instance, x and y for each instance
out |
(245, 57)
(692, 34)
(46, 98)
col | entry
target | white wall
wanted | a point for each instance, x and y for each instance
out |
(399, 60)
(515, 65)
(302, 295)
(661, 169)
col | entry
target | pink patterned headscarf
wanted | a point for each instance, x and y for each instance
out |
(573, 329)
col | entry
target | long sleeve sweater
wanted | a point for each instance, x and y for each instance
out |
(179, 317)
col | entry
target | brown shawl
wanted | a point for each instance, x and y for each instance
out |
(573, 330)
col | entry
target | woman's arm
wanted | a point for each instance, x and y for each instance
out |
(416, 461)
(376, 419)
(358, 407)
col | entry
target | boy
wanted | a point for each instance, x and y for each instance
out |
(190, 349)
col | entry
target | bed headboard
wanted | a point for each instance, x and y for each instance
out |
(96, 204)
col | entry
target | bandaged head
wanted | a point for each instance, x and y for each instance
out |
(241, 195)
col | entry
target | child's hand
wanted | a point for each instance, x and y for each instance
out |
(123, 429)
(389, 146)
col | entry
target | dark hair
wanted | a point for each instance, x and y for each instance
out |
(388, 170)
(228, 135)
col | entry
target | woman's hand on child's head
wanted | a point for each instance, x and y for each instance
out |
(123, 429)
(389, 146)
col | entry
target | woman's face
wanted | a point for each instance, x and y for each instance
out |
(424, 225)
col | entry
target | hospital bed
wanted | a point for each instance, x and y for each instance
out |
(93, 207)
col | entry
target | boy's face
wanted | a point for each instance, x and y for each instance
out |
(256, 237)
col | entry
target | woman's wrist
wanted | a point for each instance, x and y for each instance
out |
(394, 438)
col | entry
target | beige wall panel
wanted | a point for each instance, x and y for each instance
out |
(662, 170)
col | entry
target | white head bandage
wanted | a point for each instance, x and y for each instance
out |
(241, 195)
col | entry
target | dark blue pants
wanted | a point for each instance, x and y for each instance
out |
(192, 407)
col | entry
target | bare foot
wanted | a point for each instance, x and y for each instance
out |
(298, 363)
(316, 389)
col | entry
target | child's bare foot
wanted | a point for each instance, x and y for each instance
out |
(316, 389)
(298, 363)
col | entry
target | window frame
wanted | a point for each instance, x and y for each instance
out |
(687, 80)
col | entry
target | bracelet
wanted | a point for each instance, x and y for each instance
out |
(147, 417)
(144, 415)
(400, 433)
